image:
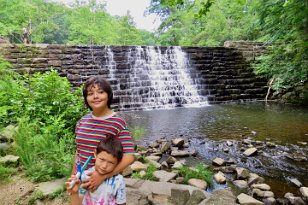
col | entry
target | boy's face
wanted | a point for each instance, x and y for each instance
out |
(97, 98)
(105, 162)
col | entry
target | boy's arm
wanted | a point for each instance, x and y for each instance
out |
(76, 199)
(96, 179)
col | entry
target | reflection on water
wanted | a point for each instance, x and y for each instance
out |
(207, 127)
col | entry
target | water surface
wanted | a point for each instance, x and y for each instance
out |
(207, 128)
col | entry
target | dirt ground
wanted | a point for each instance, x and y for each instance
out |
(20, 191)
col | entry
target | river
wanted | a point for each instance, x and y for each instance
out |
(207, 128)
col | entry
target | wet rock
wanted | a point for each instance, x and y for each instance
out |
(296, 182)
(241, 173)
(220, 177)
(198, 183)
(250, 151)
(264, 187)
(304, 192)
(180, 153)
(220, 197)
(248, 200)
(165, 146)
(218, 161)
(242, 184)
(254, 179)
(178, 142)
(270, 201)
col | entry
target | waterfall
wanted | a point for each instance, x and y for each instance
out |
(160, 79)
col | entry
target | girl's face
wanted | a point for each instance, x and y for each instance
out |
(97, 98)
(105, 162)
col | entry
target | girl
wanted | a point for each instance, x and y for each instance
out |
(96, 125)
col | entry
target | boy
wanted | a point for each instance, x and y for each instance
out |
(108, 154)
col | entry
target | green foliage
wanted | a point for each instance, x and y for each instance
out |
(200, 172)
(148, 174)
(6, 173)
(44, 153)
(137, 133)
(12, 94)
(286, 60)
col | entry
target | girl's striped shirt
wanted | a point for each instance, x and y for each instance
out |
(90, 130)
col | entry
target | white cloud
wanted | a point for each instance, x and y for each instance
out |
(137, 9)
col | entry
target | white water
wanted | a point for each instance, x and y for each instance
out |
(162, 80)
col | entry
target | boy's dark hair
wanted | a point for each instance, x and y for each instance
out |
(112, 146)
(102, 84)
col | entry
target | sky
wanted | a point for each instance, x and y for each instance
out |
(136, 8)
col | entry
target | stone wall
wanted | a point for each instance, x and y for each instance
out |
(221, 74)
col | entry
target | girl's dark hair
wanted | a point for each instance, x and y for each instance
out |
(102, 84)
(112, 146)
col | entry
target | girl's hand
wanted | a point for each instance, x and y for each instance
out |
(94, 180)
(74, 189)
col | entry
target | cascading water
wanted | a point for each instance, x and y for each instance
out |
(160, 79)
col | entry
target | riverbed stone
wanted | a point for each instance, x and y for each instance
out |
(241, 173)
(254, 179)
(245, 199)
(220, 177)
(9, 160)
(304, 192)
(242, 184)
(250, 151)
(218, 161)
(47, 188)
(296, 182)
(196, 197)
(198, 183)
(138, 166)
(263, 186)
(220, 197)
(165, 146)
(180, 153)
(179, 196)
(178, 142)
(164, 176)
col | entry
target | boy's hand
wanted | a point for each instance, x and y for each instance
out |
(94, 180)
(74, 189)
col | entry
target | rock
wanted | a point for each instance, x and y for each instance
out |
(269, 201)
(138, 166)
(196, 197)
(165, 146)
(264, 187)
(153, 158)
(254, 178)
(242, 184)
(164, 176)
(198, 183)
(241, 173)
(9, 160)
(304, 192)
(250, 151)
(177, 165)
(136, 197)
(218, 161)
(179, 196)
(178, 142)
(245, 199)
(127, 171)
(220, 177)
(50, 187)
(220, 197)
(295, 182)
(180, 153)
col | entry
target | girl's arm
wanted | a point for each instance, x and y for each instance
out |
(96, 179)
